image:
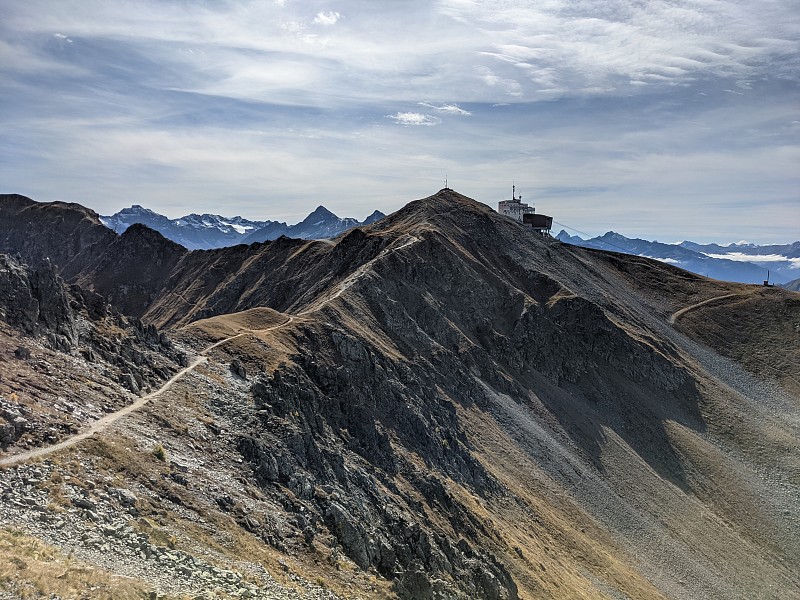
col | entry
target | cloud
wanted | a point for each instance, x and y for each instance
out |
(412, 118)
(668, 260)
(450, 109)
(327, 18)
(611, 115)
(758, 258)
(510, 87)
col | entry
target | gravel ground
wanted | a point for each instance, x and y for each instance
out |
(96, 528)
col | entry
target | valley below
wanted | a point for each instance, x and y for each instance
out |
(437, 405)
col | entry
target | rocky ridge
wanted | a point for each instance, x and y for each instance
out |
(48, 322)
(442, 405)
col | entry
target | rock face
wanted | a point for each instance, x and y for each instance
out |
(37, 302)
(70, 320)
(55, 230)
(309, 419)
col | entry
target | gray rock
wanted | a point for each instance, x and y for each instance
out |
(129, 381)
(350, 534)
(84, 502)
(238, 369)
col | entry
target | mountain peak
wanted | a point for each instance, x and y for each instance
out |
(374, 217)
(137, 209)
(321, 213)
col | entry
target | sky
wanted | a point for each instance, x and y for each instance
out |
(661, 119)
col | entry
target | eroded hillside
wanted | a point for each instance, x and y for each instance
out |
(442, 405)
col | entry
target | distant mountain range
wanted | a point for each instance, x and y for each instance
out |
(206, 231)
(793, 285)
(742, 262)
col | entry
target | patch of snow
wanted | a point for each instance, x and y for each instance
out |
(240, 229)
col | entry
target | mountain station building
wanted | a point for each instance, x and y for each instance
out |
(525, 214)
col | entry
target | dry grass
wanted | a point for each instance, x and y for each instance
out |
(760, 329)
(551, 554)
(30, 568)
(226, 325)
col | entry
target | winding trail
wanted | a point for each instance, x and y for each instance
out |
(101, 423)
(110, 418)
(679, 313)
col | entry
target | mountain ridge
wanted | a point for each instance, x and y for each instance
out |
(711, 260)
(456, 407)
(207, 231)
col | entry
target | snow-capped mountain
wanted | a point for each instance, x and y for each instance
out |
(202, 232)
(742, 262)
(320, 224)
(192, 231)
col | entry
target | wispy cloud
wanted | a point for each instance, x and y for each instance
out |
(450, 109)
(412, 118)
(327, 18)
(660, 118)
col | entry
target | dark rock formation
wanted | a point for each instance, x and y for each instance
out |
(69, 319)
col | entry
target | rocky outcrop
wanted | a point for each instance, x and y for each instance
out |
(36, 301)
(68, 319)
(13, 423)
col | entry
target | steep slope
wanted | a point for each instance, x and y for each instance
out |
(442, 405)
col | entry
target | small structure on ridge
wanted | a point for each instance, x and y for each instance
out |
(525, 214)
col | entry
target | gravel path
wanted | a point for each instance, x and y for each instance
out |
(110, 418)
(678, 314)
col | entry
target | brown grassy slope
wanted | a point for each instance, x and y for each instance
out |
(759, 328)
(217, 328)
(33, 569)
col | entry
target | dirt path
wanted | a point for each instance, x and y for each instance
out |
(357, 274)
(110, 418)
(101, 423)
(678, 314)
